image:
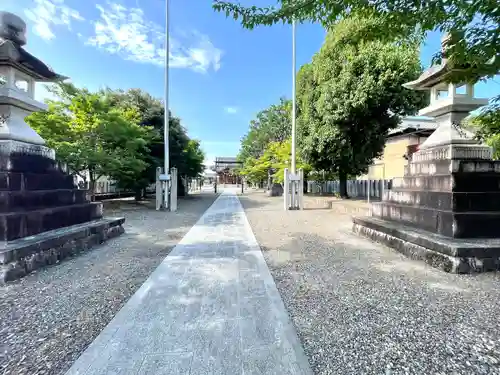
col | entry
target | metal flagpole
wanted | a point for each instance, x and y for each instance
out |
(290, 185)
(294, 112)
(293, 185)
(167, 112)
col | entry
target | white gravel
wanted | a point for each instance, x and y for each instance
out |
(361, 308)
(48, 318)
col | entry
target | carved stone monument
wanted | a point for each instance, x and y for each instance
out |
(43, 216)
(446, 208)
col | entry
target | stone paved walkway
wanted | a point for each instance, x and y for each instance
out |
(211, 307)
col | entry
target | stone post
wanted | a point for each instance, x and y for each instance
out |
(286, 190)
(159, 190)
(301, 190)
(173, 189)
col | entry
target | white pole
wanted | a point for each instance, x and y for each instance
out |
(294, 104)
(167, 112)
(292, 185)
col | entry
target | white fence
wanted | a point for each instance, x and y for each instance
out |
(104, 188)
(355, 188)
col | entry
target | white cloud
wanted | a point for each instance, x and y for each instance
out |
(47, 14)
(127, 33)
(231, 110)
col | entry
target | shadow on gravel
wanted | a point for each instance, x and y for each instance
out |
(249, 202)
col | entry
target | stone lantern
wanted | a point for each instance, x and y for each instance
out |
(20, 71)
(449, 107)
(446, 208)
(43, 216)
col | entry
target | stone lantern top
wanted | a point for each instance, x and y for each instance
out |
(12, 38)
(434, 75)
(449, 104)
(446, 96)
(19, 72)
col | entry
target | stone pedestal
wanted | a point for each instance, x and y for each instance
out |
(43, 216)
(445, 210)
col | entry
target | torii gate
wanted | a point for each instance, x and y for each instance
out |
(224, 165)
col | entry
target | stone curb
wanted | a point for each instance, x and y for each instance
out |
(21, 257)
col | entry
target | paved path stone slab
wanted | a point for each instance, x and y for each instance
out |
(211, 307)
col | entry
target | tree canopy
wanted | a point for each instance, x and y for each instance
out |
(193, 157)
(486, 126)
(185, 154)
(350, 96)
(275, 158)
(91, 136)
(268, 131)
(474, 26)
(115, 133)
(270, 125)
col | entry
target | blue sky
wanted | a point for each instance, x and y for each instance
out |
(220, 77)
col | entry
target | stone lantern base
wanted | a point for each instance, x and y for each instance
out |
(43, 216)
(445, 210)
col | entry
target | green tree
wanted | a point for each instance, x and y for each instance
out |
(486, 126)
(473, 25)
(275, 158)
(90, 136)
(349, 97)
(194, 158)
(256, 170)
(279, 153)
(273, 124)
(183, 154)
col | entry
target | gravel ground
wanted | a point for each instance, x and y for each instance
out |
(362, 308)
(48, 318)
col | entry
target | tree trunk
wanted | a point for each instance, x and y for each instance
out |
(181, 191)
(92, 189)
(343, 185)
(138, 194)
(92, 185)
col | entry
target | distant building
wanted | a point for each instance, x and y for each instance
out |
(401, 143)
(226, 169)
(209, 176)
